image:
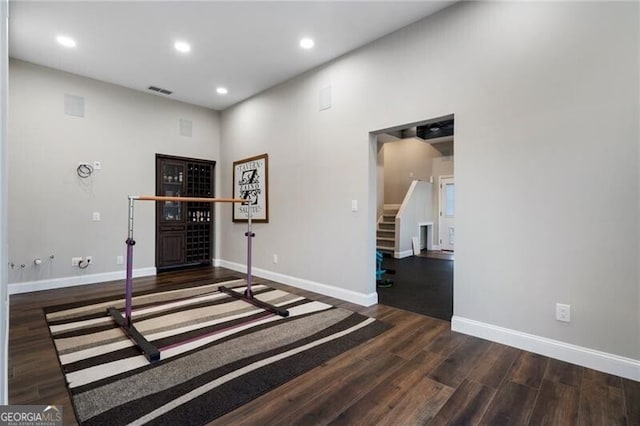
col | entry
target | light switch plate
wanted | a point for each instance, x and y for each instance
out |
(563, 312)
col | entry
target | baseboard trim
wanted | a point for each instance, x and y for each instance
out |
(597, 360)
(402, 254)
(326, 289)
(54, 283)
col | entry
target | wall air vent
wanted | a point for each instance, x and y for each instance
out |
(74, 105)
(186, 128)
(160, 90)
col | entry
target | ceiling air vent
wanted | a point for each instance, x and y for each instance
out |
(160, 90)
(435, 130)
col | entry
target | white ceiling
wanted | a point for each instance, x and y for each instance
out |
(244, 46)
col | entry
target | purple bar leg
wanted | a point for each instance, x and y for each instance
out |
(248, 292)
(129, 282)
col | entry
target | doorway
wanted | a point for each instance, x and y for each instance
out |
(421, 280)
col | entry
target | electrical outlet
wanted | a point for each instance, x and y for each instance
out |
(75, 261)
(119, 260)
(96, 216)
(275, 258)
(563, 312)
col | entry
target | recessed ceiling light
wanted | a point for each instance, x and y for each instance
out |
(222, 90)
(181, 46)
(66, 41)
(306, 43)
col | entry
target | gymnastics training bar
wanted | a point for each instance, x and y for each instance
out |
(150, 351)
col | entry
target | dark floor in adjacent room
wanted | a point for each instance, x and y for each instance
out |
(420, 285)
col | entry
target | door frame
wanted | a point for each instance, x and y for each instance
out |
(441, 206)
(372, 217)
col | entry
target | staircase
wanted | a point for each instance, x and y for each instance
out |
(386, 232)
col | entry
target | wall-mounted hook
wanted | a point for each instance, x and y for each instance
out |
(22, 265)
(12, 265)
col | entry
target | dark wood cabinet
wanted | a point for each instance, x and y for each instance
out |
(171, 245)
(184, 231)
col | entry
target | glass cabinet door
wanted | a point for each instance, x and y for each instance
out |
(173, 177)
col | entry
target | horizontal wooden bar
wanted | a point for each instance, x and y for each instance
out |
(188, 199)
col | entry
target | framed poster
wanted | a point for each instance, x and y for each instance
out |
(251, 182)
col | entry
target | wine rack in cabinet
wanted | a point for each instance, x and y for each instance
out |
(184, 231)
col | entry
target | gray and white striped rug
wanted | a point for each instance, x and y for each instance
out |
(217, 353)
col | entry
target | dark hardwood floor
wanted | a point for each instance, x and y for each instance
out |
(436, 254)
(420, 285)
(418, 372)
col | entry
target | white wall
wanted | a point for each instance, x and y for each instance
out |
(4, 298)
(406, 160)
(442, 166)
(547, 209)
(51, 207)
(638, 179)
(416, 208)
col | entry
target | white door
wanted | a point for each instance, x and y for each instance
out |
(447, 230)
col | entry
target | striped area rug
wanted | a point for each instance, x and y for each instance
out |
(217, 352)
